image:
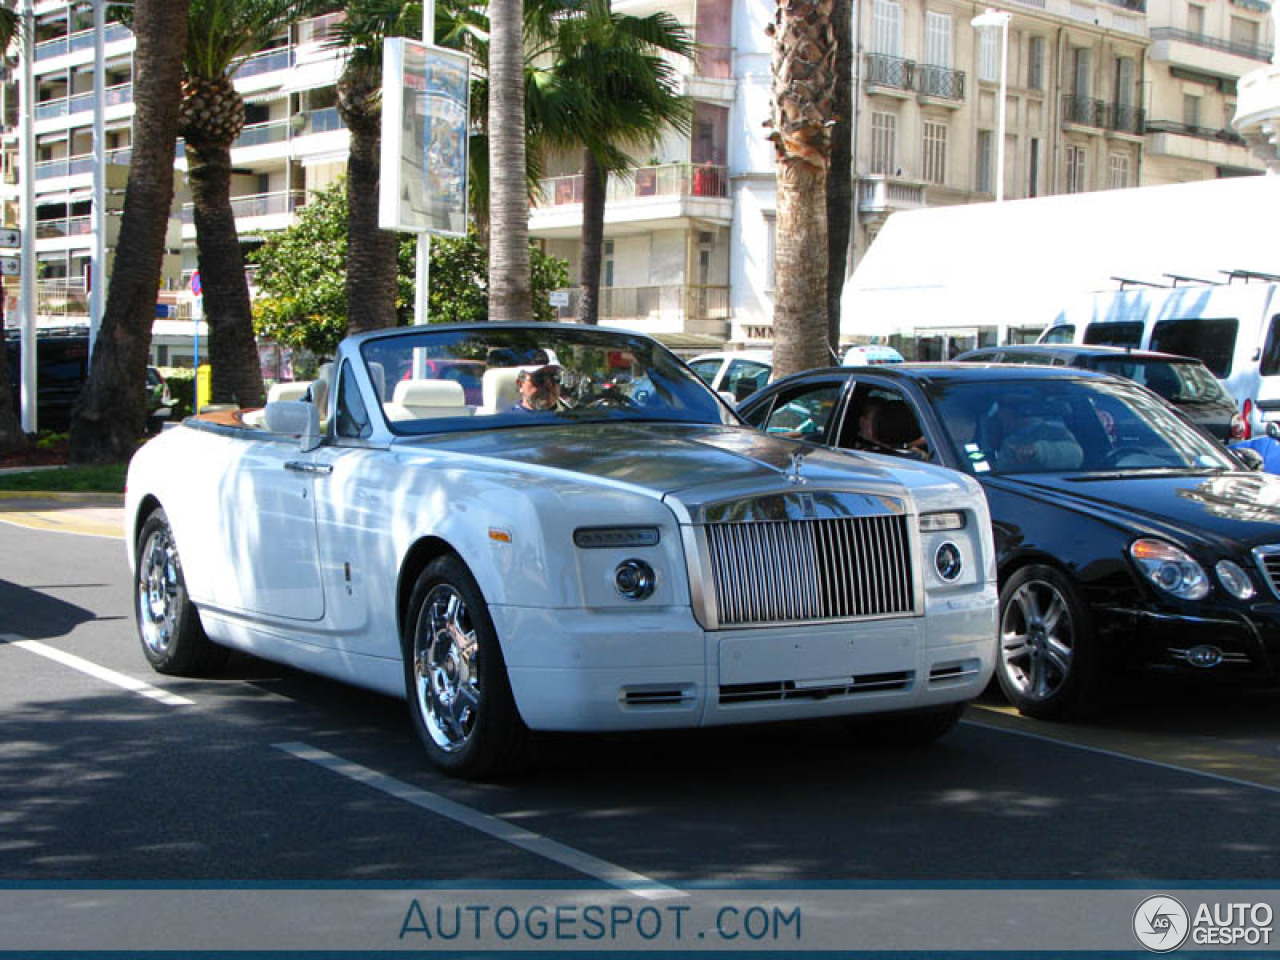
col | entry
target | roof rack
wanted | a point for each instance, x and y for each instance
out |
(1126, 282)
(1177, 278)
(1247, 275)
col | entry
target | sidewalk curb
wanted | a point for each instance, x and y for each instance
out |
(66, 496)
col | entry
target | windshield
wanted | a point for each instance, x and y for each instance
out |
(1001, 427)
(497, 375)
(1175, 380)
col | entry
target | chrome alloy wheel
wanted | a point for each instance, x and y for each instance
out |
(1037, 640)
(159, 592)
(446, 672)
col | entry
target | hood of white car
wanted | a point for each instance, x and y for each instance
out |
(670, 458)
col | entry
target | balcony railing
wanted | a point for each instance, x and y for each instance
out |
(83, 102)
(714, 62)
(1124, 118)
(320, 29)
(80, 40)
(62, 298)
(689, 303)
(257, 205)
(323, 121)
(1084, 111)
(1223, 135)
(1251, 51)
(886, 71)
(878, 192)
(667, 180)
(257, 134)
(66, 227)
(266, 62)
(80, 164)
(941, 82)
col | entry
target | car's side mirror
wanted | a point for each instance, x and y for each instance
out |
(1273, 429)
(1252, 458)
(297, 418)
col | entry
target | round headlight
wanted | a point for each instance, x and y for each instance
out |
(635, 579)
(1234, 579)
(948, 561)
(1170, 568)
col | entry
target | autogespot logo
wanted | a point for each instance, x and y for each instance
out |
(1161, 923)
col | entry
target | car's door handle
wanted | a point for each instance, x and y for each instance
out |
(304, 466)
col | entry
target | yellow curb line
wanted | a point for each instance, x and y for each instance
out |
(68, 496)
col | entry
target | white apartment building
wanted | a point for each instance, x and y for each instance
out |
(1100, 94)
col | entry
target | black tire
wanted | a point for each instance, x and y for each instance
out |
(456, 680)
(173, 639)
(1048, 656)
(914, 728)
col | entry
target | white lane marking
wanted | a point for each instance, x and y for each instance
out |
(93, 670)
(633, 883)
(1117, 755)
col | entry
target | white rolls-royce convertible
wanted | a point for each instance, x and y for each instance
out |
(525, 528)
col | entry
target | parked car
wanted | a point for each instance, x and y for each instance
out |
(1183, 381)
(1124, 535)
(62, 365)
(735, 374)
(605, 562)
(870, 355)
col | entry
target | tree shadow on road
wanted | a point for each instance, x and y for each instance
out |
(38, 616)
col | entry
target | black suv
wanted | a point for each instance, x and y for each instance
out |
(1184, 382)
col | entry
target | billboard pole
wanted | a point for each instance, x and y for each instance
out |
(422, 273)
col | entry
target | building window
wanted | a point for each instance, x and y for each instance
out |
(1080, 71)
(937, 39)
(884, 142)
(1244, 33)
(887, 28)
(1190, 110)
(1125, 86)
(1075, 170)
(1118, 171)
(988, 55)
(1033, 168)
(1035, 63)
(935, 152)
(985, 148)
(1195, 19)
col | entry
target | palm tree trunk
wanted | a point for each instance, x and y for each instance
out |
(371, 251)
(12, 438)
(111, 413)
(840, 180)
(233, 351)
(803, 79)
(510, 274)
(594, 181)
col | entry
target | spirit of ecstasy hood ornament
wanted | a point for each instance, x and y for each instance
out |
(797, 461)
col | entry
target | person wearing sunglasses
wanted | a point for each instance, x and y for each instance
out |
(539, 389)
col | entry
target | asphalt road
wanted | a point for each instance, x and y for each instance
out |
(111, 772)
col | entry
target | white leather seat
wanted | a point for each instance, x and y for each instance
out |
(425, 399)
(288, 390)
(498, 389)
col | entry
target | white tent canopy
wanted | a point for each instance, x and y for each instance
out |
(1019, 263)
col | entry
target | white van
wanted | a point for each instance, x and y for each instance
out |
(1233, 328)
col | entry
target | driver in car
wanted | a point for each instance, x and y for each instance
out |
(539, 390)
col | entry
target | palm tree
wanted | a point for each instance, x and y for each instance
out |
(11, 436)
(840, 183)
(111, 413)
(803, 79)
(510, 275)
(220, 33)
(608, 89)
(371, 252)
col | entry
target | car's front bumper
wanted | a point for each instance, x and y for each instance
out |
(581, 670)
(1217, 641)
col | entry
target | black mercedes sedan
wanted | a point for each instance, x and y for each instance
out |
(1124, 534)
(1184, 382)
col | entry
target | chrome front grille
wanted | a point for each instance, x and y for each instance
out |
(1268, 558)
(829, 568)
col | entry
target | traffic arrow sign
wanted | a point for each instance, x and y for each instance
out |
(10, 238)
(10, 266)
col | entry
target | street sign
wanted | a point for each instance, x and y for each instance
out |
(559, 298)
(10, 238)
(196, 285)
(10, 266)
